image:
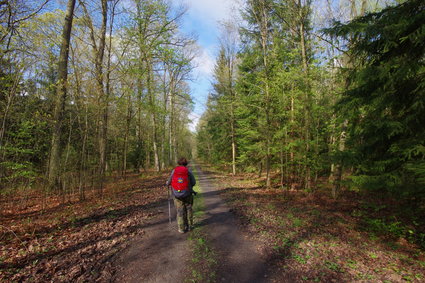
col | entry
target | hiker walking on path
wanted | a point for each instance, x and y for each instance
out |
(182, 181)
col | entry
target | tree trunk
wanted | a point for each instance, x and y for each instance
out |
(172, 157)
(56, 149)
(232, 126)
(103, 127)
(291, 150)
(307, 167)
(154, 118)
(127, 130)
(99, 51)
(108, 77)
(263, 21)
(233, 149)
(339, 167)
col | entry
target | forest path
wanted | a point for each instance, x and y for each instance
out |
(157, 255)
(239, 259)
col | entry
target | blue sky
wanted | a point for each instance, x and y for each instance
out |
(203, 19)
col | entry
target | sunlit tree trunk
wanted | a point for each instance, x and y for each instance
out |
(152, 105)
(103, 126)
(99, 51)
(56, 149)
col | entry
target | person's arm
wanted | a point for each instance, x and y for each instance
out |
(169, 178)
(192, 181)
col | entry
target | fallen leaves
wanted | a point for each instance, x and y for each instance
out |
(82, 240)
(316, 239)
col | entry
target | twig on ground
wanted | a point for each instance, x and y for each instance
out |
(10, 230)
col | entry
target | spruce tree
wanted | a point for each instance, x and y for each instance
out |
(385, 98)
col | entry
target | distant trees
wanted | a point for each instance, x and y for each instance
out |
(112, 96)
(384, 99)
(217, 137)
(310, 105)
(272, 84)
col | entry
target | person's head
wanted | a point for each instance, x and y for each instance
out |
(182, 161)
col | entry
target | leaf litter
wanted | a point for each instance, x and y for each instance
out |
(309, 237)
(77, 241)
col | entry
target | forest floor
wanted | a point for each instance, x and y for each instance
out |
(243, 233)
(75, 241)
(310, 237)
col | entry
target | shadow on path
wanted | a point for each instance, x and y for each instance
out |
(239, 257)
(155, 257)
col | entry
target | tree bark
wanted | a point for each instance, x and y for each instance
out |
(99, 51)
(56, 149)
(103, 127)
(154, 118)
(303, 46)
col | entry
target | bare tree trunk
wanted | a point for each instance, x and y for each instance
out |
(332, 142)
(139, 119)
(233, 144)
(108, 77)
(127, 130)
(164, 156)
(172, 158)
(339, 167)
(291, 152)
(232, 119)
(363, 7)
(154, 120)
(173, 141)
(56, 150)
(282, 168)
(307, 167)
(103, 127)
(83, 167)
(99, 51)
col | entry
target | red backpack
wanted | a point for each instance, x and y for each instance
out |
(180, 182)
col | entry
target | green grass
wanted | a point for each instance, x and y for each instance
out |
(351, 264)
(300, 259)
(333, 266)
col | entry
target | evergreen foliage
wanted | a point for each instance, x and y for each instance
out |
(295, 111)
(385, 98)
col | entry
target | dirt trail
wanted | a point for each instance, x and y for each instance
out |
(157, 256)
(239, 258)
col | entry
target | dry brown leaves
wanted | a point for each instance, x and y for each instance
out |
(76, 242)
(313, 238)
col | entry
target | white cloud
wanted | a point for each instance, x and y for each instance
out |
(203, 18)
(211, 10)
(204, 63)
(194, 121)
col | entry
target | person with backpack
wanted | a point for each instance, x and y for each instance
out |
(182, 181)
